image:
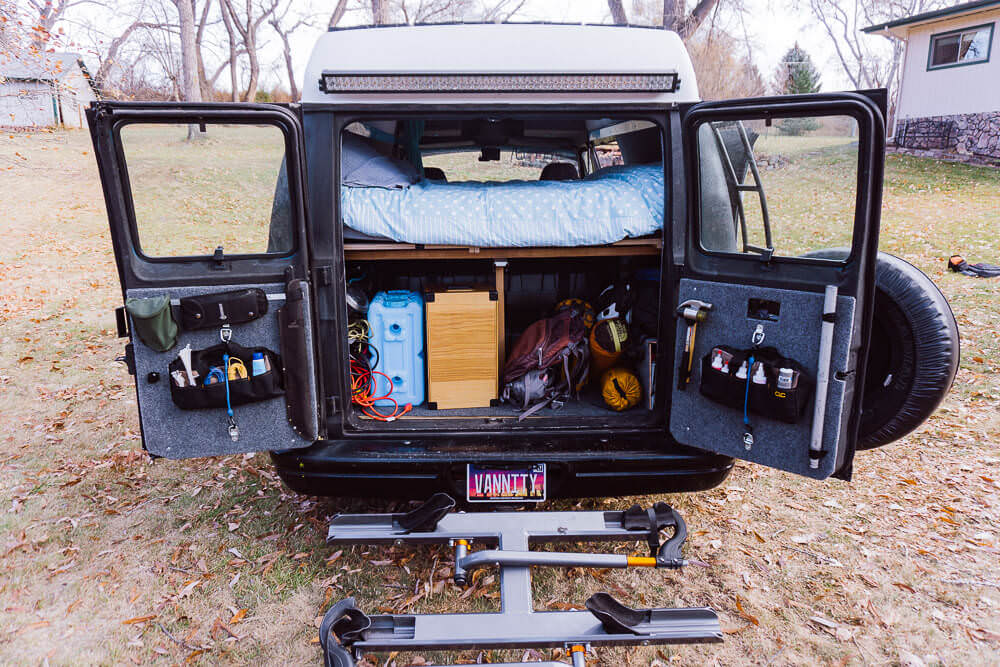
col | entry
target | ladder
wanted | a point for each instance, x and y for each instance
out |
(347, 632)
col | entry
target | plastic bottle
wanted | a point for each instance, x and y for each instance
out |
(717, 361)
(259, 365)
(759, 377)
(785, 376)
(741, 372)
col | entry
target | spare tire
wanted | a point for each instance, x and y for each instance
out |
(914, 351)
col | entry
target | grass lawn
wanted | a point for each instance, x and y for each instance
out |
(107, 557)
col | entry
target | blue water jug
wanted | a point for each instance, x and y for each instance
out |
(396, 318)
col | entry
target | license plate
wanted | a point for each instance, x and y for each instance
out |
(492, 484)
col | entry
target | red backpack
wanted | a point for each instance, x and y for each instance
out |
(557, 341)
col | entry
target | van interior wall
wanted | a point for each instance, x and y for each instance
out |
(532, 288)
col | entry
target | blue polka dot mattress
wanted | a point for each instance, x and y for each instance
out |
(609, 205)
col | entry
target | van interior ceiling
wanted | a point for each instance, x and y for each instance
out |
(469, 241)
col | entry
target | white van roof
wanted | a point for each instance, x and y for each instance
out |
(506, 63)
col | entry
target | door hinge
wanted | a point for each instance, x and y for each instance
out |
(324, 275)
(121, 322)
(128, 358)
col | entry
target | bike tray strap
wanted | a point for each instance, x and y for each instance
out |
(425, 518)
(660, 515)
(345, 621)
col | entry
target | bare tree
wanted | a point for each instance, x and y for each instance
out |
(189, 57)
(380, 13)
(503, 10)
(247, 25)
(617, 12)
(673, 15)
(48, 13)
(721, 71)
(338, 14)
(867, 62)
(277, 22)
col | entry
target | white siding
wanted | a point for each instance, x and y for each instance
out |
(952, 90)
(24, 104)
(75, 94)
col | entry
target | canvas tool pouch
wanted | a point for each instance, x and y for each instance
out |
(206, 311)
(153, 322)
(250, 389)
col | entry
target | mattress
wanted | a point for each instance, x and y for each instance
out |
(610, 205)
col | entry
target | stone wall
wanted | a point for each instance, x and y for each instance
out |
(975, 135)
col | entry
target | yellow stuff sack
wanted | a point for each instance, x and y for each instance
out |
(620, 389)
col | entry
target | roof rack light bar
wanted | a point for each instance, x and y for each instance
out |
(367, 83)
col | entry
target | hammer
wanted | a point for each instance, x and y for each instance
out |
(693, 312)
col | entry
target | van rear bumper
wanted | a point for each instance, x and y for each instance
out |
(415, 469)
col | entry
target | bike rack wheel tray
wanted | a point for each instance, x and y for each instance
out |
(347, 632)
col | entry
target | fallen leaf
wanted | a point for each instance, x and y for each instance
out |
(139, 619)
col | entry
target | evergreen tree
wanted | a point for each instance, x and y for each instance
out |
(798, 76)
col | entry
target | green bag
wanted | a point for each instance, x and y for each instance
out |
(153, 322)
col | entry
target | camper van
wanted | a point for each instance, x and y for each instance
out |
(511, 263)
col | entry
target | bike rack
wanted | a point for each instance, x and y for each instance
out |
(346, 632)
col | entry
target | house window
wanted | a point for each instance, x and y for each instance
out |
(961, 47)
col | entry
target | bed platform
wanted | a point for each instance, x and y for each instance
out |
(386, 250)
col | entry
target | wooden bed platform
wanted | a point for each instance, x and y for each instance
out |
(354, 250)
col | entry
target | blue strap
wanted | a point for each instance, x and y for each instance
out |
(746, 395)
(225, 374)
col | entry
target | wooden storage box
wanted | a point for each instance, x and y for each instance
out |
(462, 348)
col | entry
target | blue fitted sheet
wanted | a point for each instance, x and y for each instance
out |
(607, 206)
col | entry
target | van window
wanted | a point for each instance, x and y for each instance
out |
(195, 188)
(781, 187)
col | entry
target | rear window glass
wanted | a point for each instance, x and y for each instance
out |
(195, 188)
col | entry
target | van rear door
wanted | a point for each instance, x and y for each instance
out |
(208, 221)
(770, 343)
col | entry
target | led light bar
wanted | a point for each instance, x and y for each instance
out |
(368, 83)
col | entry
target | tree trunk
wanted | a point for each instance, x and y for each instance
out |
(378, 12)
(227, 21)
(338, 13)
(189, 57)
(294, 88)
(250, 42)
(672, 14)
(617, 12)
(689, 24)
(206, 88)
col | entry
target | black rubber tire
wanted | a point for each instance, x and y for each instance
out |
(914, 351)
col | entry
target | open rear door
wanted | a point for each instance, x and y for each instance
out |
(207, 212)
(770, 337)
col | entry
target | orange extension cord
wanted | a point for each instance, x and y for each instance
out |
(362, 386)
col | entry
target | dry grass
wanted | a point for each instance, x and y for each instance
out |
(107, 558)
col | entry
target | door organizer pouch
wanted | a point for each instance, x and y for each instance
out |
(722, 385)
(772, 400)
(241, 391)
(206, 311)
(153, 322)
(294, 352)
(766, 399)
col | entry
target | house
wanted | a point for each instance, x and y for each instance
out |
(949, 91)
(47, 90)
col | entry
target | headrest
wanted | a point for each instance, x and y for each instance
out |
(559, 171)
